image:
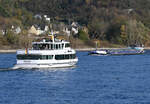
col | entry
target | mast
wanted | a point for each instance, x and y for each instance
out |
(96, 45)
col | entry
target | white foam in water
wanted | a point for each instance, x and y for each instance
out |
(57, 69)
(40, 69)
(5, 69)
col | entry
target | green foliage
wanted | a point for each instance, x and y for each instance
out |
(123, 34)
(103, 18)
(25, 40)
(4, 12)
(137, 32)
(98, 29)
(11, 37)
(83, 36)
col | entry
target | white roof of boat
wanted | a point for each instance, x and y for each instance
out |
(50, 42)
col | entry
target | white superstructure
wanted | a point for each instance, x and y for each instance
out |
(48, 53)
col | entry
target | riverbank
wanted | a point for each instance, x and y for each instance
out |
(8, 51)
(80, 49)
(91, 49)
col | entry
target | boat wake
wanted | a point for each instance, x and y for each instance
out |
(6, 69)
(41, 69)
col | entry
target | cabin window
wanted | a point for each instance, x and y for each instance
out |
(72, 56)
(35, 46)
(59, 57)
(44, 57)
(62, 45)
(67, 45)
(34, 57)
(57, 47)
(49, 56)
(66, 56)
(47, 47)
(28, 57)
(38, 46)
(52, 47)
(63, 57)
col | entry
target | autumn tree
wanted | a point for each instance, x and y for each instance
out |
(97, 28)
(137, 33)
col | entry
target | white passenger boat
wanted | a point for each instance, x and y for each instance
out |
(48, 53)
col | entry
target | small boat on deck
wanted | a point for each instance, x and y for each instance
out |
(98, 52)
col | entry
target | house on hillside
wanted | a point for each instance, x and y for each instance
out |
(38, 16)
(74, 24)
(38, 30)
(15, 29)
(33, 30)
(75, 30)
(2, 32)
(128, 10)
(47, 18)
(85, 29)
(67, 31)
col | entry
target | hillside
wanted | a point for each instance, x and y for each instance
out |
(117, 21)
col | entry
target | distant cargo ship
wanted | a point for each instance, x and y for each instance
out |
(127, 51)
(122, 51)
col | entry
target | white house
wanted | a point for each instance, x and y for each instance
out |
(2, 32)
(45, 16)
(48, 19)
(38, 16)
(75, 30)
(17, 30)
(74, 24)
(37, 31)
(67, 31)
(46, 28)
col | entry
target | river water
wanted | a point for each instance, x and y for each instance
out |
(95, 80)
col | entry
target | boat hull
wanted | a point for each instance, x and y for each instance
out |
(126, 52)
(45, 65)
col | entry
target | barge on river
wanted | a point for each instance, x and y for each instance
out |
(126, 51)
(122, 51)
